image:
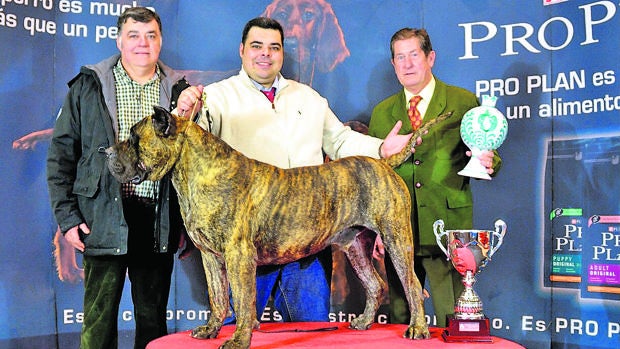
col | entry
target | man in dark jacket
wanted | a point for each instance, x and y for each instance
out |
(437, 191)
(121, 228)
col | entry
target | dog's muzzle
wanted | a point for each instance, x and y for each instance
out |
(135, 174)
(292, 45)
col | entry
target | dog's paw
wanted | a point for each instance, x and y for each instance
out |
(234, 344)
(417, 332)
(205, 332)
(360, 323)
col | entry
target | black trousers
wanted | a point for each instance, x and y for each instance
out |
(149, 275)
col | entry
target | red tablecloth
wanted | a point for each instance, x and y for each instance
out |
(318, 335)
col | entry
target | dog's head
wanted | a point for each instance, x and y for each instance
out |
(151, 150)
(312, 35)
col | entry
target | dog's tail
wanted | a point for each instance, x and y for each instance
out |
(404, 154)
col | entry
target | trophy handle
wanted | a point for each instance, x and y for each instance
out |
(498, 234)
(439, 224)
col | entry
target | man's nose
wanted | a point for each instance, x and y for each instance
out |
(266, 51)
(143, 40)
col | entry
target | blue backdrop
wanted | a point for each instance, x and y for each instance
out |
(555, 283)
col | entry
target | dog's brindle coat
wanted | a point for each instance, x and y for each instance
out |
(242, 213)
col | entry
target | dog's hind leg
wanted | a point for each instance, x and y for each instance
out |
(399, 246)
(217, 285)
(376, 289)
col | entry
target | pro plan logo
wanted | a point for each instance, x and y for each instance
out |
(552, 2)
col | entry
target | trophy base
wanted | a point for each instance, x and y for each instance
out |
(475, 173)
(465, 330)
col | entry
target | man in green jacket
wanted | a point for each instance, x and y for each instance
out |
(437, 191)
(121, 229)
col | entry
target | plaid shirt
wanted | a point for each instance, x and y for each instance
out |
(134, 102)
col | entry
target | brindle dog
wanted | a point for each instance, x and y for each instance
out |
(242, 213)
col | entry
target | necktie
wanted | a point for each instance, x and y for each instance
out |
(270, 94)
(414, 113)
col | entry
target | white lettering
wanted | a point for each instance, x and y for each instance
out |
(519, 37)
(589, 22)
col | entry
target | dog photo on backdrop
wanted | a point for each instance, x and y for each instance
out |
(313, 38)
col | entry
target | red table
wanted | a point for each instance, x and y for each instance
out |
(318, 335)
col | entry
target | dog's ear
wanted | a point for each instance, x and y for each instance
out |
(163, 122)
(270, 9)
(331, 48)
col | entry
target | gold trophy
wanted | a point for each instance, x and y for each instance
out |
(469, 251)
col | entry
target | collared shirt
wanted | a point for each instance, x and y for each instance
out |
(134, 102)
(276, 84)
(426, 94)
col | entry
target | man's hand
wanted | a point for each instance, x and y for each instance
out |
(73, 236)
(486, 159)
(394, 143)
(190, 101)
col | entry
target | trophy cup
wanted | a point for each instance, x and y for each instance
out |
(483, 128)
(469, 251)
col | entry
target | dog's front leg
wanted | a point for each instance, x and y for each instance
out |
(241, 268)
(217, 285)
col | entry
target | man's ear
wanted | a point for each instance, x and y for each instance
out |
(163, 122)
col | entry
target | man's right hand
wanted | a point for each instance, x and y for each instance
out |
(190, 101)
(73, 236)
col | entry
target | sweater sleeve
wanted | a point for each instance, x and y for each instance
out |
(341, 141)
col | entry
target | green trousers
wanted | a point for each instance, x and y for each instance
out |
(104, 277)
